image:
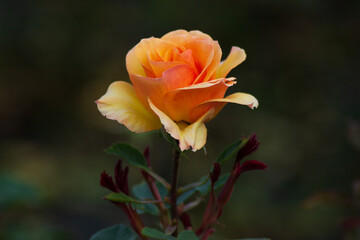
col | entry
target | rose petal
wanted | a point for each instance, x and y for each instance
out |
(199, 34)
(207, 63)
(218, 104)
(121, 104)
(156, 88)
(133, 65)
(202, 50)
(236, 56)
(193, 135)
(159, 67)
(150, 48)
(178, 36)
(146, 87)
(185, 57)
(179, 102)
(178, 77)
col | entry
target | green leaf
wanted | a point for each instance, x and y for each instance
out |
(231, 150)
(221, 181)
(203, 188)
(14, 192)
(142, 191)
(120, 197)
(123, 198)
(146, 208)
(135, 158)
(185, 195)
(156, 234)
(188, 235)
(117, 232)
(252, 239)
(130, 154)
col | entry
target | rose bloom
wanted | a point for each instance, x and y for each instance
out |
(178, 81)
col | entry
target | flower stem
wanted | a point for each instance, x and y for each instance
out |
(173, 192)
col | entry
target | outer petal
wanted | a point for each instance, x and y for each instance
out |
(146, 87)
(236, 56)
(193, 135)
(218, 104)
(121, 104)
(178, 36)
(133, 64)
(181, 101)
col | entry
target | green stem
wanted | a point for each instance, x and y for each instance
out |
(173, 192)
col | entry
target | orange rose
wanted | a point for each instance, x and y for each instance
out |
(179, 82)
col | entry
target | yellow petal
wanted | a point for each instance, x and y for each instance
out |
(170, 126)
(217, 104)
(193, 135)
(133, 65)
(236, 56)
(120, 103)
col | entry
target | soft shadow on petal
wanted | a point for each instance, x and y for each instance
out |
(133, 64)
(178, 77)
(148, 88)
(239, 98)
(160, 67)
(151, 48)
(155, 88)
(181, 101)
(236, 56)
(193, 135)
(120, 103)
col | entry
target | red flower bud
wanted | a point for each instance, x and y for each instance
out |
(107, 182)
(251, 145)
(186, 221)
(214, 175)
(146, 154)
(121, 177)
(252, 165)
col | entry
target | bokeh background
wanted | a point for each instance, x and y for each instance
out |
(57, 57)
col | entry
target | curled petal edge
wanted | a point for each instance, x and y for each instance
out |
(120, 103)
(217, 104)
(236, 56)
(189, 135)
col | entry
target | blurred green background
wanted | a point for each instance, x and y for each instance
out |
(58, 57)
